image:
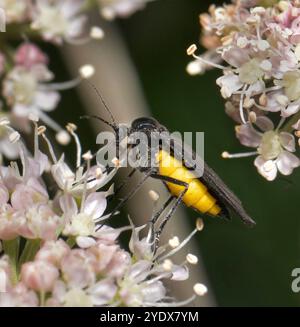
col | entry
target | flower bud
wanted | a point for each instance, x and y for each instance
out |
(39, 275)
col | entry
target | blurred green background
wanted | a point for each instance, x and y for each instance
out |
(245, 266)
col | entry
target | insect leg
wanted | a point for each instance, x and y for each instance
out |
(174, 206)
(155, 218)
(131, 194)
(125, 181)
(160, 211)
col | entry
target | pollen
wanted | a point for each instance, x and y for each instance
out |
(192, 259)
(191, 49)
(200, 289)
(174, 242)
(199, 224)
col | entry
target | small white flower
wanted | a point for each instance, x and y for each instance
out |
(59, 20)
(83, 222)
(110, 9)
(229, 84)
(25, 90)
(74, 183)
(274, 148)
(16, 11)
(250, 72)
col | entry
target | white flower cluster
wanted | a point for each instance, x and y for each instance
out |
(256, 45)
(26, 82)
(57, 249)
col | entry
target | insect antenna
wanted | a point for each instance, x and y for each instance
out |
(103, 103)
(113, 126)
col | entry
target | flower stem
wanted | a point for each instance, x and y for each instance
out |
(42, 298)
(11, 248)
(29, 251)
(288, 125)
(71, 241)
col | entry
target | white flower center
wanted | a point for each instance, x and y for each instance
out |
(13, 9)
(83, 225)
(24, 88)
(77, 298)
(250, 72)
(270, 146)
(51, 20)
(291, 83)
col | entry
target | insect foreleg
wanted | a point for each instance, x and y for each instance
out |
(130, 194)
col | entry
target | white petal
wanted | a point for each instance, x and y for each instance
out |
(70, 8)
(272, 103)
(140, 270)
(47, 100)
(288, 141)
(297, 125)
(21, 110)
(9, 150)
(264, 123)
(248, 136)
(257, 87)
(229, 84)
(290, 110)
(68, 205)
(267, 168)
(103, 292)
(4, 196)
(286, 162)
(95, 204)
(85, 242)
(236, 56)
(154, 292)
(108, 234)
(76, 27)
(180, 273)
(62, 174)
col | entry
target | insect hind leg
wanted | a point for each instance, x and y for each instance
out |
(171, 212)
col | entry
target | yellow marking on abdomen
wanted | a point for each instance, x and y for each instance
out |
(197, 195)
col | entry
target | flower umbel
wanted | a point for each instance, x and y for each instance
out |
(256, 45)
(67, 260)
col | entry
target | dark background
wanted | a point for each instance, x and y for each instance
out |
(246, 267)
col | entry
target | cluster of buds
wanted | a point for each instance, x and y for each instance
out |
(57, 248)
(255, 43)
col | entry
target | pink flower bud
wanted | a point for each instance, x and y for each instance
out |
(39, 275)
(28, 55)
(53, 252)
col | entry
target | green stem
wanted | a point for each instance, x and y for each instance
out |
(42, 298)
(11, 248)
(288, 125)
(88, 5)
(29, 251)
(71, 241)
